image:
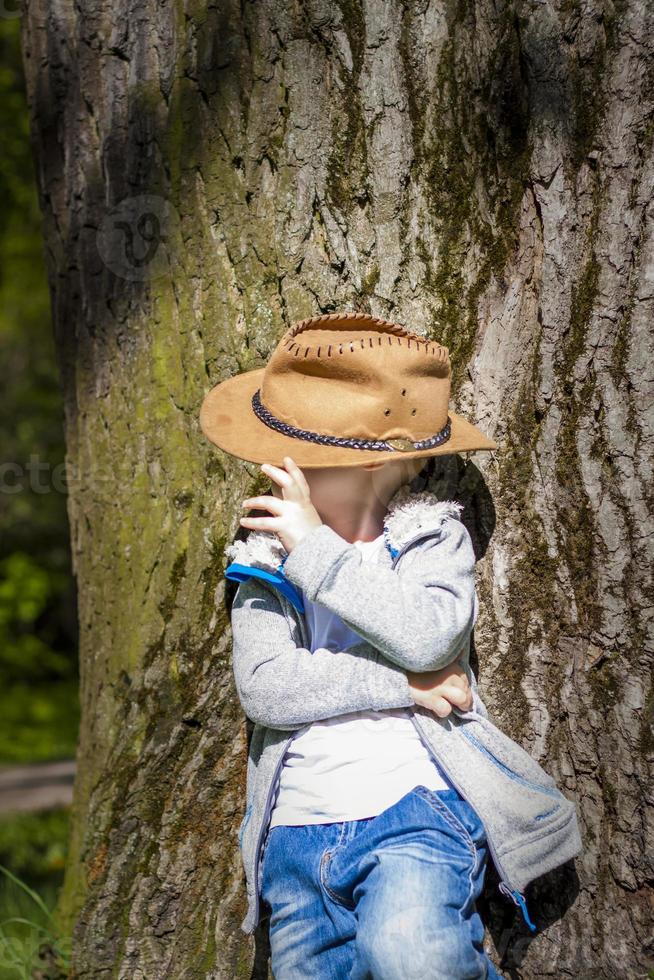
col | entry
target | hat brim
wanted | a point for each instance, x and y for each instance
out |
(229, 422)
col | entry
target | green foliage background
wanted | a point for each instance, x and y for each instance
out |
(38, 655)
(39, 706)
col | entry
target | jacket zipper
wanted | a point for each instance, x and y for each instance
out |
(505, 887)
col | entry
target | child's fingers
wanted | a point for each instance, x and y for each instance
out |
(441, 707)
(278, 476)
(454, 694)
(459, 681)
(297, 473)
(273, 504)
(292, 487)
(260, 523)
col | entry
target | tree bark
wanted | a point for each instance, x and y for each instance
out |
(480, 172)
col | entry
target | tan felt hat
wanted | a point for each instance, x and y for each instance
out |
(342, 389)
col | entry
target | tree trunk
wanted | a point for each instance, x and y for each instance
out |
(480, 172)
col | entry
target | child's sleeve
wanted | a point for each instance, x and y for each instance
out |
(418, 615)
(281, 685)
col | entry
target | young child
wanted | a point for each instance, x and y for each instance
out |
(377, 783)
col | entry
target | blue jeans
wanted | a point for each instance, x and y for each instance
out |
(389, 897)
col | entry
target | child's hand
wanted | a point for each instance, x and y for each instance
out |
(294, 513)
(438, 690)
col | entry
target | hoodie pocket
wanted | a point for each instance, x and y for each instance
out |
(509, 757)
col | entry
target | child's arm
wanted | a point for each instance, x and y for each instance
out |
(418, 616)
(281, 685)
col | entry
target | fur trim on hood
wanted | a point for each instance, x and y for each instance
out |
(409, 513)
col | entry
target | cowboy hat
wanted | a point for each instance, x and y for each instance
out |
(341, 389)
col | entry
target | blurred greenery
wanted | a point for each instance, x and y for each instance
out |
(33, 844)
(32, 857)
(38, 654)
(31, 947)
(39, 705)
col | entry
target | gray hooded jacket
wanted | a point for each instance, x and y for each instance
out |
(414, 604)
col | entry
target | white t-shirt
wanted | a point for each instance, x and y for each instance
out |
(353, 765)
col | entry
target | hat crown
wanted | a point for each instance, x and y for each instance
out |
(351, 321)
(353, 375)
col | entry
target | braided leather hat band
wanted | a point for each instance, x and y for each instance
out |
(382, 445)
